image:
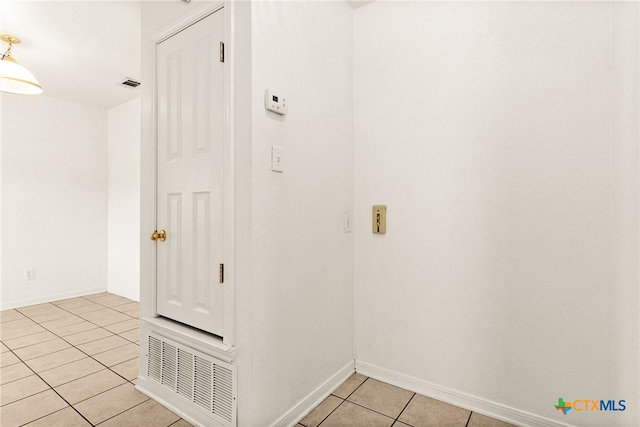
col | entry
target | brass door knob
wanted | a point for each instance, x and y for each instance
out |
(159, 235)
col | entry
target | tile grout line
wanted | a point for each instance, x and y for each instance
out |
(341, 403)
(468, 419)
(26, 316)
(93, 323)
(35, 323)
(372, 410)
(89, 356)
(25, 362)
(120, 413)
(72, 346)
(33, 373)
(18, 348)
(355, 389)
(329, 414)
(102, 392)
(55, 412)
(79, 316)
(80, 350)
(334, 409)
(83, 352)
(52, 389)
(126, 381)
(403, 409)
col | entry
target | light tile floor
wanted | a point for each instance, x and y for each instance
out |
(366, 402)
(74, 363)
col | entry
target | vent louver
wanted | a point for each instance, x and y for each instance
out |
(186, 378)
(205, 382)
(129, 83)
(154, 366)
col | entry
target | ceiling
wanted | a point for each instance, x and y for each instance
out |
(358, 3)
(78, 50)
(81, 50)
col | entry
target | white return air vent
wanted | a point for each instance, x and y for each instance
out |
(206, 383)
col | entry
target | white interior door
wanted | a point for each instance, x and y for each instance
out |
(190, 168)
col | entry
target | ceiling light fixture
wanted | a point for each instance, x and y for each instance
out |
(14, 78)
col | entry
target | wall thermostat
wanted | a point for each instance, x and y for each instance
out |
(275, 102)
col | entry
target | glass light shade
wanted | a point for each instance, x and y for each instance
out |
(14, 78)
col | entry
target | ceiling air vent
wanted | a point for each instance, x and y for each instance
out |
(129, 83)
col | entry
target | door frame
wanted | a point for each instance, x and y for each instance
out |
(148, 194)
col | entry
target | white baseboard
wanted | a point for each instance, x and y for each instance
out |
(313, 399)
(49, 298)
(133, 294)
(457, 398)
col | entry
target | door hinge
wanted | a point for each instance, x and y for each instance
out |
(221, 51)
(221, 273)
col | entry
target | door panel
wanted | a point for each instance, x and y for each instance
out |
(190, 133)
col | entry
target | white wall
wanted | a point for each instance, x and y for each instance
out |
(302, 262)
(123, 270)
(505, 150)
(292, 269)
(625, 38)
(54, 199)
(510, 259)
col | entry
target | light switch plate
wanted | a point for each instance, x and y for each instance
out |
(276, 158)
(347, 221)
